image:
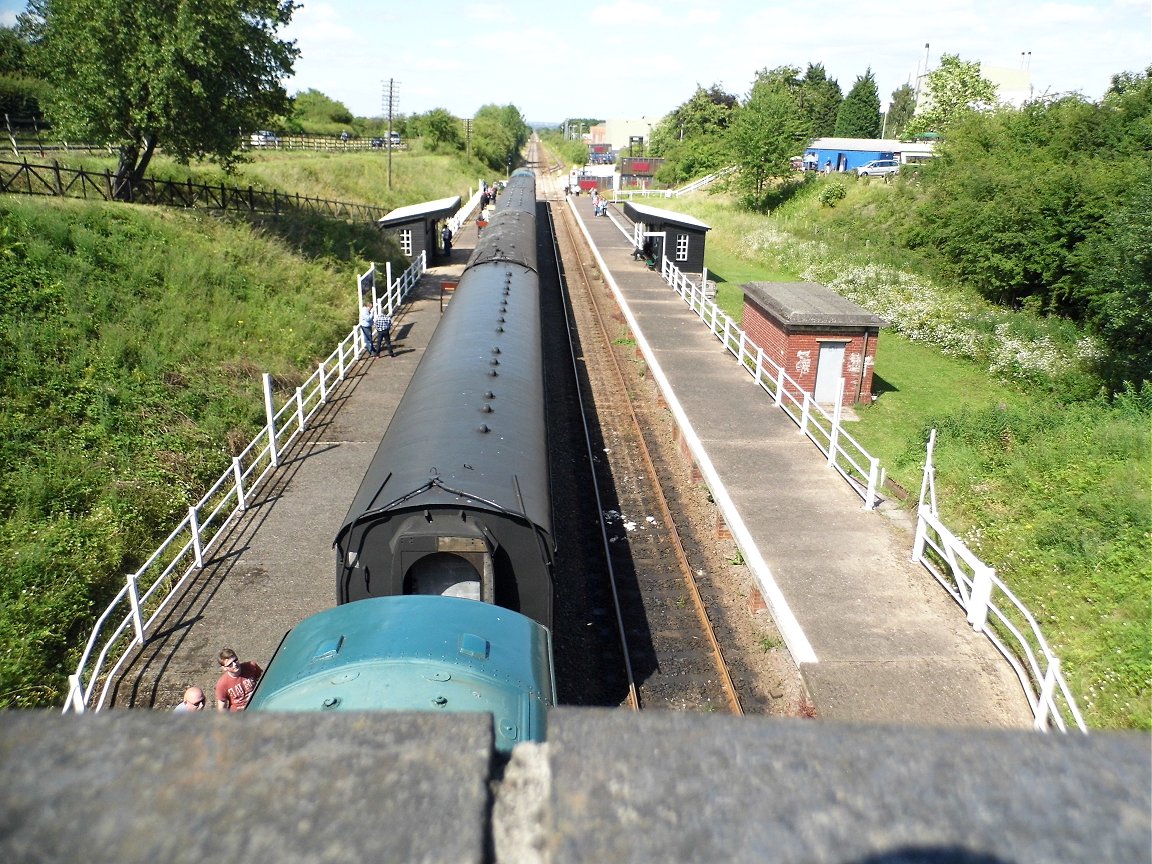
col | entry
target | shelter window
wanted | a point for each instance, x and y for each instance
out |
(406, 241)
(681, 247)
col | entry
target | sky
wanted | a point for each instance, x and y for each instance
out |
(635, 60)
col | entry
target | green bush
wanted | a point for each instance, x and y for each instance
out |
(833, 193)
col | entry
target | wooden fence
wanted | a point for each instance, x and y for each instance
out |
(32, 179)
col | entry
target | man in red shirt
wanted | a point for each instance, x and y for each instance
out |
(237, 683)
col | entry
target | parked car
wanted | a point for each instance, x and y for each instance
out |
(377, 143)
(264, 138)
(878, 168)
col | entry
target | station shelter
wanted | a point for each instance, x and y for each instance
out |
(678, 236)
(818, 337)
(417, 226)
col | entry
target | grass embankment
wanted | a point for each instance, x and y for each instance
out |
(359, 177)
(132, 342)
(1047, 484)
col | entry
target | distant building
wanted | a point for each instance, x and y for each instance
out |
(622, 135)
(848, 154)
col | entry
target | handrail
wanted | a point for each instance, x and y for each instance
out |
(973, 584)
(182, 554)
(970, 582)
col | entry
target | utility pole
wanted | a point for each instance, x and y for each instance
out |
(389, 99)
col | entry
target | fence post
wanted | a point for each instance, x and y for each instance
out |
(194, 527)
(921, 536)
(1047, 689)
(980, 597)
(56, 173)
(834, 433)
(270, 412)
(134, 602)
(107, 185)
(780, 387)
(804, 414)
(300, 409)
(238, 474)
(76, 694)
(323, 382)
(873, 484)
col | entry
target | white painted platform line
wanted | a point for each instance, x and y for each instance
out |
(790, 629)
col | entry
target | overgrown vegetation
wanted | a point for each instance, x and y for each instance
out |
(132, 341)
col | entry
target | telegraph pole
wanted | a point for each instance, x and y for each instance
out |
(389, 101)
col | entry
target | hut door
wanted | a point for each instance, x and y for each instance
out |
(829, 370)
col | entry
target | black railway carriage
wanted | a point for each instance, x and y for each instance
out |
(456, 500)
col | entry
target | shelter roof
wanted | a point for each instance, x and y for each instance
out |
(426, 210)
(644, 213)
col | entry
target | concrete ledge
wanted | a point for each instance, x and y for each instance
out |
(608, 786)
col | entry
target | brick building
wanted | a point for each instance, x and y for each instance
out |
(817, 336)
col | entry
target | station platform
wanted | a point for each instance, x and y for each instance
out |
(875, 636)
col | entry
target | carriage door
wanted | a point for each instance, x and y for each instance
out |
(829, 371)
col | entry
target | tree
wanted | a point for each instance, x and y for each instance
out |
(900, 111)
(859, 114)
(768, 131)
(190, 76)
(952, 90)
(691, 139)
(439, 129)
(312, 106)
(819, 98)
(498, 134)
(13, 52)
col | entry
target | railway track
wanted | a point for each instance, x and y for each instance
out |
(672, 657)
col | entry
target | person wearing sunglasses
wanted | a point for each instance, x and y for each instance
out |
(237, 681)
(193, 700)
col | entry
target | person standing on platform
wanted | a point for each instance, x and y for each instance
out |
(366, 326)
(238, 682)
(384, 333)
(193, 700)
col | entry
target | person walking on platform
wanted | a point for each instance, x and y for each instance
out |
(446, 238)
(366, 326)
(384, 332)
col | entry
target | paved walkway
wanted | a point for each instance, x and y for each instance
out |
(886, 643)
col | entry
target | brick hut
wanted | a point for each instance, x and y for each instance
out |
(816, 335)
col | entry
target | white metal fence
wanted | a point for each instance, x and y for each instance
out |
(991, 608)
(126, 623)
